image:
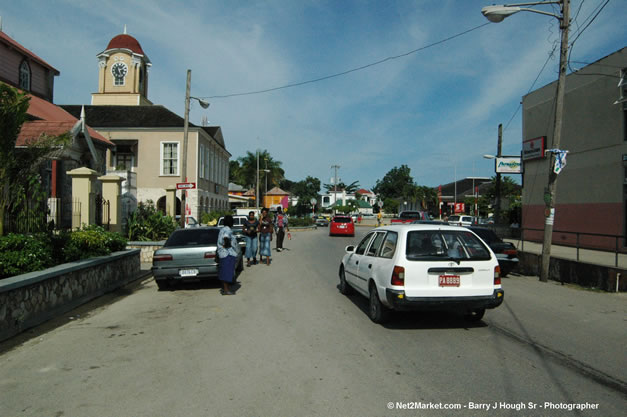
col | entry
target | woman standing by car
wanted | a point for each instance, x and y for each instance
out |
(265, 236)
(228, 249)
(251, 224)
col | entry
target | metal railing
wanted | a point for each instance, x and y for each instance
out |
(577, 241)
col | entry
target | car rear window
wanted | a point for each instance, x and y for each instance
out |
(453, 218)
(193, 237)
(430, 245)
(342, 219)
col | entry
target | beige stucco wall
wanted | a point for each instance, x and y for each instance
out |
(211, 190)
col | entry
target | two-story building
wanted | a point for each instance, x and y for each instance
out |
(149, 138)
(591, 192)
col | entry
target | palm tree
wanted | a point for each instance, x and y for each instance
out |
(350, 188)
(248, 169)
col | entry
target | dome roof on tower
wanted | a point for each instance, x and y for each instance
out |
(125, 41)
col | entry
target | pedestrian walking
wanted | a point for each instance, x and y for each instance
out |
(228, 250)
(251, 224)
(265, 235)
(280, 227)
(379, 218)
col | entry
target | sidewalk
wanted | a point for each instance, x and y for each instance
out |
(584, 328)
(590, 256)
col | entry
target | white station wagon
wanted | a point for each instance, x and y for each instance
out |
(421, 267)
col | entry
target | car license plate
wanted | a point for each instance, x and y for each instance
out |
(449, 281)
(188, 272)
(342, 226)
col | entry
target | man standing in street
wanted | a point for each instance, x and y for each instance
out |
(280, 226)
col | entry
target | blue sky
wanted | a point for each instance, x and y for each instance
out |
(436, 110)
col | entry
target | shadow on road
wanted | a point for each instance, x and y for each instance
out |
(79, 312)
(406, 320)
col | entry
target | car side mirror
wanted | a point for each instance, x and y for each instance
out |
(350, 248)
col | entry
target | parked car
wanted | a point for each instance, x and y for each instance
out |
(422, 266)
(430, 222)
(342, 225)
(321, 221)
(189, 254)
(189, 221)
(505, 252)
(238, 227)
(408, 216)
(461, 220)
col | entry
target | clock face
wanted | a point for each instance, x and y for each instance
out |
(119, 70)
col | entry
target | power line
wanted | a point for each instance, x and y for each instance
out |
(551, 54)
(572, 43)
(339, 74)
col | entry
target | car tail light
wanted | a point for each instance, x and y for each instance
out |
(497, 275)
(510, 252)
(210, 254)
(159, 258)
(398, 276)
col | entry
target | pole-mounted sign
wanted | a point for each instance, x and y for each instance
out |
(185, 185)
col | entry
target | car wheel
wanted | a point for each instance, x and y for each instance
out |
(163, 284)
(345, 288)
(475, 315)
(378, 312)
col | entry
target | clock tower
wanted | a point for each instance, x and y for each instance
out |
(123, 73)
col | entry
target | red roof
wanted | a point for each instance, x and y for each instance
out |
(363, 191)
(125, 41)
(6, 39)
(54, 121)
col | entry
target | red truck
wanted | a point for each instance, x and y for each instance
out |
(406, 217)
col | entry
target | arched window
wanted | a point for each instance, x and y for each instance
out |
(24, 76)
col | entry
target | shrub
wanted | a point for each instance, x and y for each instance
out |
(149, 224)
(212, 218)
(90, 241)
(20, 254)
(296, 222)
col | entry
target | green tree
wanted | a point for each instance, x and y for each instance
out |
(510, 192)
(18, 167)
(305, 190)
(235, 173)
(397, 183)
(248, 169)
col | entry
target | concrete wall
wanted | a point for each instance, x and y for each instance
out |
(31, 299)
(573, 272)
(147, 249)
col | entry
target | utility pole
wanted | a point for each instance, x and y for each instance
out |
(257, 194)
(557, 136)
(185, 133)
(336, 167)
(497, 209)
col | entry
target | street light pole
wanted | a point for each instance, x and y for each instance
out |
(497, 14)
(557, 136)
(184, 156)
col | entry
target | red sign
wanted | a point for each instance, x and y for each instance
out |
(460, 208)
(185, 185)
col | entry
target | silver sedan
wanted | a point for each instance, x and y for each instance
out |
(189, 255)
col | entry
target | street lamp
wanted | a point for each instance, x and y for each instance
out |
(204, 105)
(497, 14)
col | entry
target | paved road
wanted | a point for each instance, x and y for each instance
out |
(289, 344)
